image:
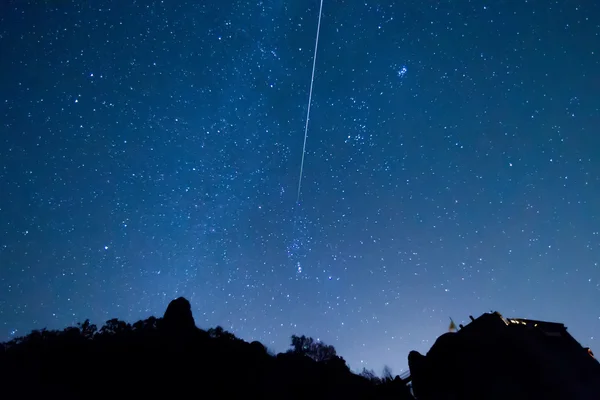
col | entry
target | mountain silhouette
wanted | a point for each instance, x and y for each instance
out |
(171, 357)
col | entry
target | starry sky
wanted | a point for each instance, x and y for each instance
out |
(151, 149)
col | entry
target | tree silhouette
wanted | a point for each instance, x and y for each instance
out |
(114, 327)
(316, 350)
(220, 333)
(153, 358)
(369, 374)
(386, 375)
(87, 330)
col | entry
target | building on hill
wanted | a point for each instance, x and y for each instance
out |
(498, 358)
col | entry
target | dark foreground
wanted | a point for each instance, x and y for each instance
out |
(168, 357)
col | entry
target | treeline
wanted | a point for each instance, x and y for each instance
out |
(170, 356)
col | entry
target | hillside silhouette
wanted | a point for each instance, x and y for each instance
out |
(170, 356)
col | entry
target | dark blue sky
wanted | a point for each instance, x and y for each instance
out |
(151, 150)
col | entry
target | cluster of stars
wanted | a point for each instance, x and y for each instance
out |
(152, 151)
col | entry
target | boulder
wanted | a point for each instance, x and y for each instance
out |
(178, 316)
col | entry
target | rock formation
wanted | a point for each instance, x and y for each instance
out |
(178, 316)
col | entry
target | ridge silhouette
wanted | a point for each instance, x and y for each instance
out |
(171, 357)
(490, 358)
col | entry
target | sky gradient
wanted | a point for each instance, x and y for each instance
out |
(151, 150)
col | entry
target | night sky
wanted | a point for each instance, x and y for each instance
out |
(151, 149)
